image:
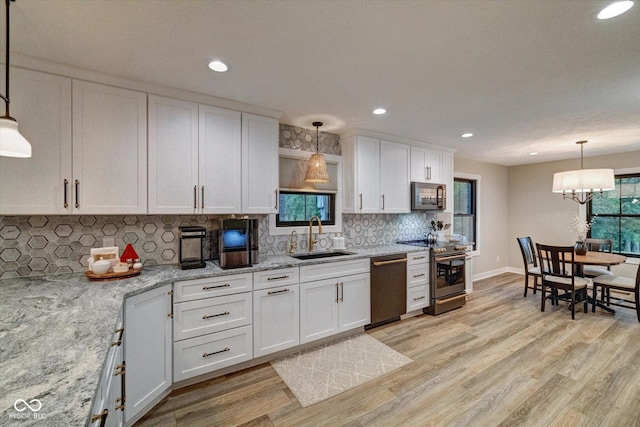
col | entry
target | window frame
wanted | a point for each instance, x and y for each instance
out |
(477, 191)
(620, 174)
(332, 210)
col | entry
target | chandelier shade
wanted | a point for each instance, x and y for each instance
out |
(580, 185)
(317, 168)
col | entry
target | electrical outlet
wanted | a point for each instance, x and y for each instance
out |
(108, 241)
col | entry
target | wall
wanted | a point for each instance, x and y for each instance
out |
(493, 215)
(537, 212)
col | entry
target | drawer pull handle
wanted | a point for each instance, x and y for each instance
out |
(206, 288)
(419, 275)
(419, 257)
(278, 277)
(419, 298)
(226, 313)
(101, 416)
(278, 292)
(215, 352)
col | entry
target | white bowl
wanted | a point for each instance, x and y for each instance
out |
(101, 266)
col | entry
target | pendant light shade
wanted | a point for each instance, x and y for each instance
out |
(580, 185)
(12, 144)
(317, 169)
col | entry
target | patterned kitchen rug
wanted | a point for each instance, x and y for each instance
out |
(324, 371)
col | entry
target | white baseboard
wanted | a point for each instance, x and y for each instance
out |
(492, 273)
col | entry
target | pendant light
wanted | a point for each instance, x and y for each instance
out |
(580, 185)
(317, 169)
(12, 144)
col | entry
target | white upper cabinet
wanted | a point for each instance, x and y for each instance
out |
(447, 179)
(259, 164)
(109, 150)
(394, 177)
(42, 105)
(220, 159)
(426, 165)
(376, 176)
(173, 156)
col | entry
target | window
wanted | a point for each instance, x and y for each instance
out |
(297, 208)
(616, 215)
(465, 209)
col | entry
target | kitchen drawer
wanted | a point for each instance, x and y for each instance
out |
(189, 290)
(309, 273)
(195, 318)
(417, 274)
(417, 297)
(201, 355)
(272, 278)
(417, 257)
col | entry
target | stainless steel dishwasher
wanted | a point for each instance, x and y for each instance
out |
(388, 289)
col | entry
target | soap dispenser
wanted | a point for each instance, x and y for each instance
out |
(338, 241)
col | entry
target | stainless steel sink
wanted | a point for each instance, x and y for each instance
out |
(316, 255)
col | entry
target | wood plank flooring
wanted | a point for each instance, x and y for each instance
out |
(498, 361)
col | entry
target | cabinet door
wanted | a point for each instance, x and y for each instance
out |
(109, 150)
(276, 319)
(318, 309)
(434, 164)
(42, 105)
(367, 176)
(173, 156)
(426, 165)
(447, 180)
(354, 307)
(259, 164)
(220, 160)
(147, 347)
(394, 178)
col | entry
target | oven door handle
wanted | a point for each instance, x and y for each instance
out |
(450, 258)
(392, 261)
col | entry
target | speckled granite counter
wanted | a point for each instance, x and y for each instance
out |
(56, 331)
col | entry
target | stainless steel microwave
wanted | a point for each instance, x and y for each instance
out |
(428, 197)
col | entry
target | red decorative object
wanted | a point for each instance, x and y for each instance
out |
(129, 253)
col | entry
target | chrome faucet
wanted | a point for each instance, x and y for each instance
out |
(312, 241)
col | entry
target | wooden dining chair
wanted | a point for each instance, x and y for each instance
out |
(530, 263)
(598, 245)
(557, 262)
(607, 282)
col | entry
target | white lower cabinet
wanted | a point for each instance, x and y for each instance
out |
(212, 324)
(108, 403)
(147, 349)
(201, 355)
(417, 280)
(276, 319)
(336, 304)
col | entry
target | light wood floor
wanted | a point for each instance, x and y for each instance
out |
(498, 361)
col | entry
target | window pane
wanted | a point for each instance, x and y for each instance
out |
(462, 197)
(299, 208)
(608, 203)
(630, 235)
(464, 225)
(630, 196)
(604, 227)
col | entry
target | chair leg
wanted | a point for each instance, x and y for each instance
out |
(638, 303)
(526, 283)
(593, 298)
(573, 305)
(544, 297)
(535, 284)
(585, 293)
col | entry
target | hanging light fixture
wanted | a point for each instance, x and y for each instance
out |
(580, 185)
(12, 144)
(317, 169)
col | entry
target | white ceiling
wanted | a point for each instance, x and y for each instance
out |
(521, 75)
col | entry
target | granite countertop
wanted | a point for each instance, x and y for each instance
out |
(56, 331)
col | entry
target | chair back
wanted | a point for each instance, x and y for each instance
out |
(528, 252)
(599, 245)
(556, 260)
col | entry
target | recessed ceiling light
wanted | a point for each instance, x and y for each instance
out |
(533, 153)
(615, 9)
(218, 66)
(467, 135)
(379, 111)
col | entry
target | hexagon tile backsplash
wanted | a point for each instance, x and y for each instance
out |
(39, 245)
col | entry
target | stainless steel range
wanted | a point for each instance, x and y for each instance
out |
(446, 274)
